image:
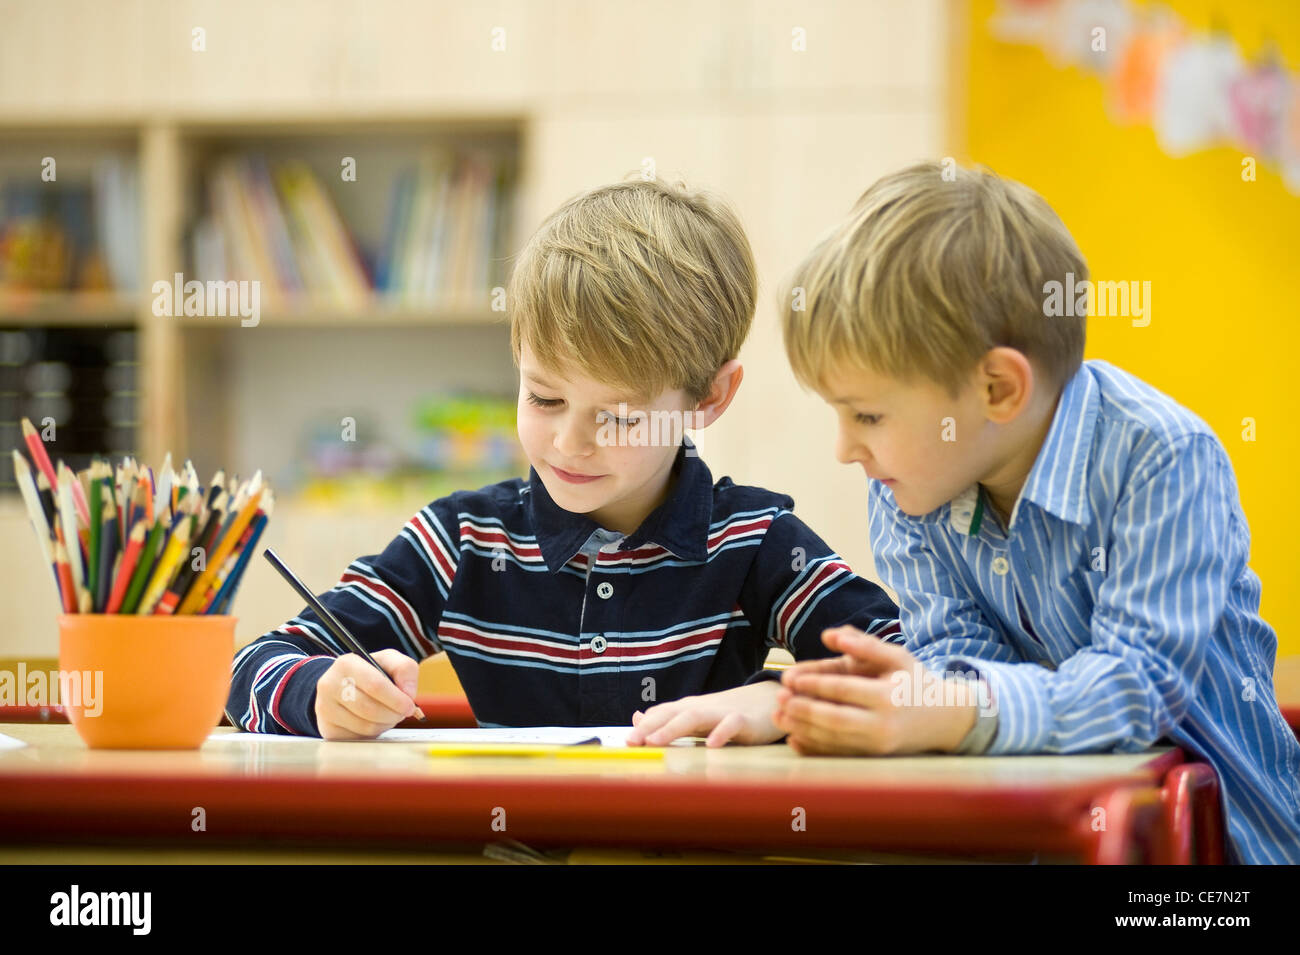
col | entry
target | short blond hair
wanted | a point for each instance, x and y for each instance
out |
(935, 265)
(644, 285)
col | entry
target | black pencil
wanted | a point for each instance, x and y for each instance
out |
(331, 622)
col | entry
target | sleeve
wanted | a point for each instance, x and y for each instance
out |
(1173, 540)
(390, 601)
(797, 587)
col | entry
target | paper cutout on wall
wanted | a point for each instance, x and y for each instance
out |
(1194, 88)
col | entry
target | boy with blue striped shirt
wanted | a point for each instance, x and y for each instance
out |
(1067, 543)
(619, 584)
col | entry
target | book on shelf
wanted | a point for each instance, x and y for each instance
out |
(274, 221)
(77, 235)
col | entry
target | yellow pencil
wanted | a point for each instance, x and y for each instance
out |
(171, 558)
(200, 587)
(542, 749)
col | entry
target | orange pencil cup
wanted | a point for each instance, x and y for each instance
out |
(145, 682)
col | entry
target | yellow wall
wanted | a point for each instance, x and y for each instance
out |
(1222, 255)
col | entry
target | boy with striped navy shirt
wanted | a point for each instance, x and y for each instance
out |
(619, 584)
(1067, 543)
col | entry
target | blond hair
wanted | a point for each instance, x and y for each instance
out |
(934, 266)
(643, 285)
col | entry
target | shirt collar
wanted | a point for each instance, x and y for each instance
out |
(680, 524)
(1057, 482)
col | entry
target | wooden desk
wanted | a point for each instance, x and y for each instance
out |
(305, 793)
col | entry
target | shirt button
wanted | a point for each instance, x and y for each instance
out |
(1000, 566)
(598, 644)
(605, 590)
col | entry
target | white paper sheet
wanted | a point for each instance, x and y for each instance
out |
(546, 735)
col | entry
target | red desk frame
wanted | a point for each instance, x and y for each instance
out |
(735, 813)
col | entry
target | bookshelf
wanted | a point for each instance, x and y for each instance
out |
(181, 357)
(373, 356)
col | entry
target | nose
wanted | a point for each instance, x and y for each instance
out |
(574, 437)
(848, 449)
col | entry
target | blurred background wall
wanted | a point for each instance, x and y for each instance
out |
(787, 109)
(466, 123)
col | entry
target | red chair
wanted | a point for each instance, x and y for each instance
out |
(1193, 816)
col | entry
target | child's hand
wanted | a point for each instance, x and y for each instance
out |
(865, 702)
(356, 701)
(741, 715)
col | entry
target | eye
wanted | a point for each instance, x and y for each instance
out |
(866, 418)
(622, 422)
(543, 402)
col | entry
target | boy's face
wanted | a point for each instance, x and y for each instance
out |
(924, 444)
(569, 429)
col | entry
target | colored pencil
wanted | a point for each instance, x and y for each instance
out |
(163, 494)
(37, 448)
(122, 578)
(27, 487)
(117, 538)
(188, 574)
(144, 566)
(96, 518)
(45, 494)
(173, 554)
(68, 523)
(235, 563)
(109, 547)
(231, 586)
(67, 589)
(224, 546)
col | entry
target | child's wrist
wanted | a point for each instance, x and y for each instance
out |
(960, 726)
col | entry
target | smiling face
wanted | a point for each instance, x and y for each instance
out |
(565, 424)
(924, 444)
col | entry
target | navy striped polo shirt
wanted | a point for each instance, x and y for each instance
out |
(550, 619)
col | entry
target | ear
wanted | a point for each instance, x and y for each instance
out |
(725, 384)
(1006, 382)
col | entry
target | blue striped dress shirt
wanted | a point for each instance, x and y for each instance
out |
(550, 619)
(1118, 607)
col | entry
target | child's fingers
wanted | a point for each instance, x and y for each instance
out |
(868, 650)
(728, 728)
(809, 739)
(651, 720)
(405, 672)
(354, 687)
(814, 738)
(788, 723)
(840, 664)
(853, 690)
(352, 725)
(374, 712)
(687, 722)
(371, 683)
(833, 726)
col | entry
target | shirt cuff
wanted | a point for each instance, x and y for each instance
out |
(1017, 702)
(981, 735)
(293, 704)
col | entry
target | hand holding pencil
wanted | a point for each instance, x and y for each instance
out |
(352, 700)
